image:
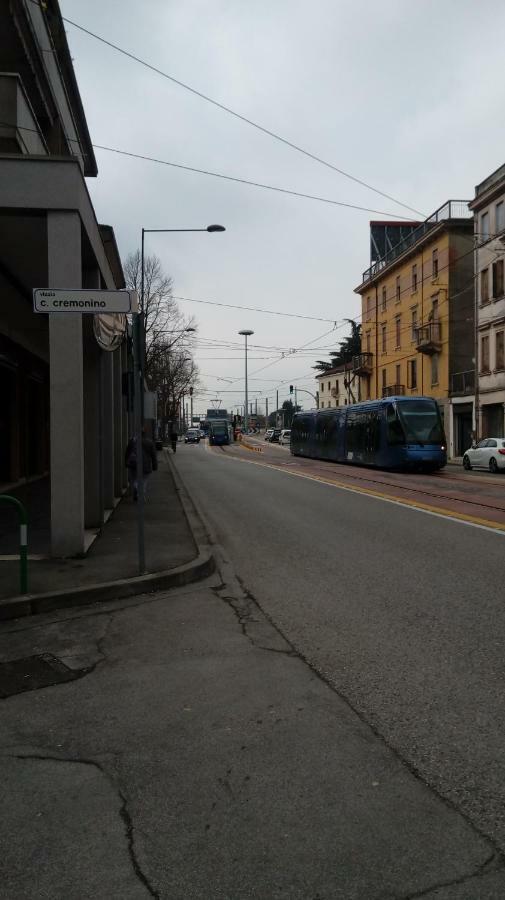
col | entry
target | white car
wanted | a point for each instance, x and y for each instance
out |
(285, 436)
(268, 434)
(487, 454)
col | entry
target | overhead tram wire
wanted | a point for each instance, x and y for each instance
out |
(257, 184)
(236, 180)
(236, 115)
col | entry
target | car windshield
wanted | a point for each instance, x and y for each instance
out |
(421, 422)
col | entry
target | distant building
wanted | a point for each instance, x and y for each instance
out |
(488, 208)
(63, 417)
(333, 387)
(418, 319)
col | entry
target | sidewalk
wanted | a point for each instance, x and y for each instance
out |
(113, 557)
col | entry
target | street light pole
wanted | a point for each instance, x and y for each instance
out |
(139, 347)
(246, 332)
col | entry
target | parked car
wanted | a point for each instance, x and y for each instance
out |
(487, 454)
(192, 436)
(268, 433)
(285, 436)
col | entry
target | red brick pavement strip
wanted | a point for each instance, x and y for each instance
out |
(481, 501)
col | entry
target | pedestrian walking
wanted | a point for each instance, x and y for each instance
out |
(173, 439)
(149, 462)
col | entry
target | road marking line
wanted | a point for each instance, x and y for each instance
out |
(438, 511)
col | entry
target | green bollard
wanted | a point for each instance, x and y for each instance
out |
(23, 541)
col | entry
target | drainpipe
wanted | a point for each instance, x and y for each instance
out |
(476, 409)
(376, 343)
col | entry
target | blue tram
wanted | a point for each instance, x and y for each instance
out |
(392, 433)
(220, 432)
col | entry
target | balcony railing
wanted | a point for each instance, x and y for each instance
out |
(428, 338)
(362, 364)
(462, 383)
(393, 390)
(453, 209)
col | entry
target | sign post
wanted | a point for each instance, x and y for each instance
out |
(47, 300)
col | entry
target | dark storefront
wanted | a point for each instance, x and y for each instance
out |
(24, 414)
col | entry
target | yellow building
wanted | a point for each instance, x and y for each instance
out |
(418, 330)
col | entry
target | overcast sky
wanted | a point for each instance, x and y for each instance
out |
(407, 97)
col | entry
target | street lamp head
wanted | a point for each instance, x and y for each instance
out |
(246, 331)
(213, 228)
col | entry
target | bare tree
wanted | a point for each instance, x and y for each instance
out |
(162, 316)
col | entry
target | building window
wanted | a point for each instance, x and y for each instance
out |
(329, 385)
(484, 226)
(322, 387)
(484, 286)
(484, 354)
(383, 380)
(336, 386)
(368, 306)
(368, 342)
(413, 374)
(500, 350)
(434, 369)
(322, 404)
(434, 309)
(434, 263)
(498, 278)
(398, 374)
(384, 299)
(384, 338)
(398, 329)
(414, 278)
(398, 289)
(499, 217)
(414, 323)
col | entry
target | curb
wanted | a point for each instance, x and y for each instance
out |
(250, 447)
(196, 570)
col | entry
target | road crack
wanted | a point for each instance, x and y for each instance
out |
(124, 812)
(493, 863)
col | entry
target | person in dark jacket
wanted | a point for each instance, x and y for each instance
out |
(149, 461)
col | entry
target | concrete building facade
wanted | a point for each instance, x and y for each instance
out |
(63, 416)
(418, 320)
(488, 208)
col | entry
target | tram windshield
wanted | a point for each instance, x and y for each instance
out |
(421, 422)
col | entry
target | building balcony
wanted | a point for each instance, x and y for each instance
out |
(393, 390)
(428, 338)
(362, 364)
(462, 383)
(452, 209)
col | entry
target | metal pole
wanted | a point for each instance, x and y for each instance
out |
(191, 406)
(277, 410)
(266, 413)
(142, 335)
(246, 416)
(137, 393)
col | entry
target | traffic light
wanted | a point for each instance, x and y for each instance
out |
(290, 388)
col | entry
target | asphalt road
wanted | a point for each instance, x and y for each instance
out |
(401, 611)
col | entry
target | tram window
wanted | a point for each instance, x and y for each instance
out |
(394, 427)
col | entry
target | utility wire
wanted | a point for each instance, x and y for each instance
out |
(258, 184)
(222, 176)
(236, 115)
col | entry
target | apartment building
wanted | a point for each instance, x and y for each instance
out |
(63, 417)
(335, 387)
(418, 319)
(488, 208)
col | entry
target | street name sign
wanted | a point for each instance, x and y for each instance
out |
(47, 300)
